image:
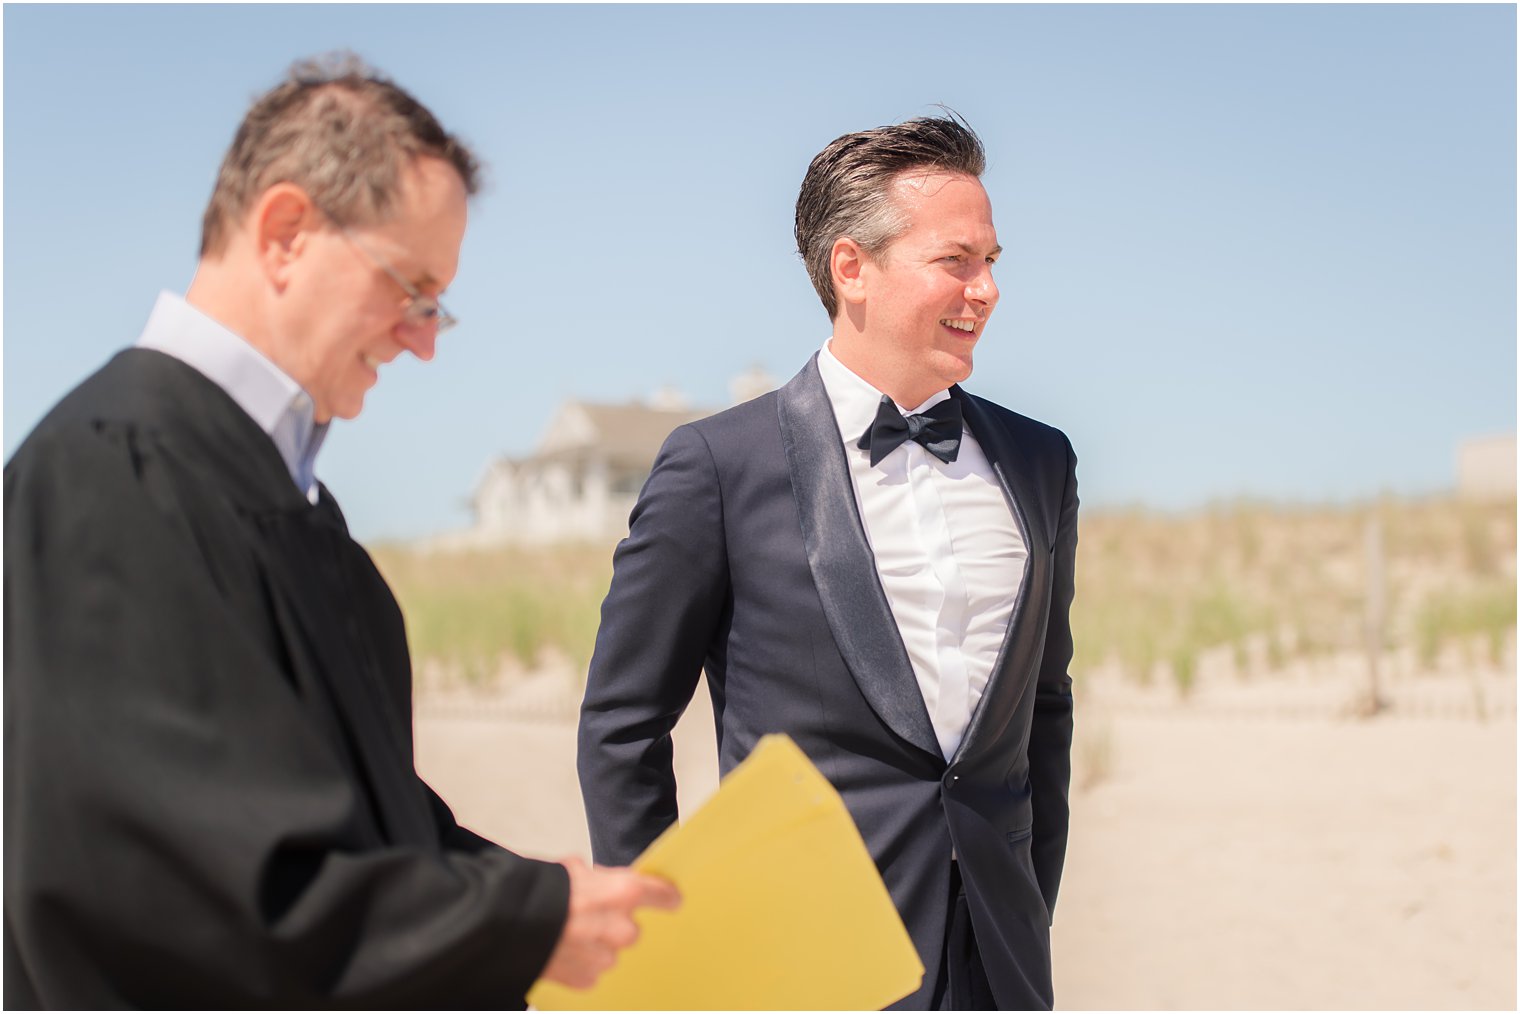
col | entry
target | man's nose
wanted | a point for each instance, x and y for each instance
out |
(421, 340)
(983, 289)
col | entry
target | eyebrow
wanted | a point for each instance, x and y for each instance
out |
(994, 252)
(422, 279)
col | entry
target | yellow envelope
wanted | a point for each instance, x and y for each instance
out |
(782, 907)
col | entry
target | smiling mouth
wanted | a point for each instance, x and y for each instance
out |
(372, 363)
(967, 327)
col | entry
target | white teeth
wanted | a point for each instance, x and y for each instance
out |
(372, 362)
(961, 325)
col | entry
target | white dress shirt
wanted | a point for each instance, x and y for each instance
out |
(947, 548)
(271, 398)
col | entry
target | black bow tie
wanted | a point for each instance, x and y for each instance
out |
(938, 429)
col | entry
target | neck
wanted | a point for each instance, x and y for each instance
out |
(880, 367)
(216, 291)
(220, 291)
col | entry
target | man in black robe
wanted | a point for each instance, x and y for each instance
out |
(210, 798)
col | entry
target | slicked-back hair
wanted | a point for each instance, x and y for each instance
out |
(342, 132)
(848, 188)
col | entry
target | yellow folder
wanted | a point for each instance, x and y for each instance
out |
(782, 907)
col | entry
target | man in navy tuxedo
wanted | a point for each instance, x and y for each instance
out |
(877, 563)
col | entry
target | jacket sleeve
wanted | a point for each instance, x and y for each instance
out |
(179, 830)
(1050, 735)
(669, 590)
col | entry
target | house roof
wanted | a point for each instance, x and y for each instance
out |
(628, 434)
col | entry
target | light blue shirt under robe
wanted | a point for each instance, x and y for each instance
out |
(271, 398)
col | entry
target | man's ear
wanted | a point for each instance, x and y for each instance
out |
(282, 221)
(847, 263)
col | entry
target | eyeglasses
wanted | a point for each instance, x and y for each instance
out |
(421, 310)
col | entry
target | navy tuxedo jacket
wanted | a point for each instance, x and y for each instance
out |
(746, 557)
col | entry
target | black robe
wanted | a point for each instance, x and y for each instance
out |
(210, 797)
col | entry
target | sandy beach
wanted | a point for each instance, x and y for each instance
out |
(1250, 849)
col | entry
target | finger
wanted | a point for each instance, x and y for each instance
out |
(606, 957)
(594, 960)
(620, 933)
(657, 893)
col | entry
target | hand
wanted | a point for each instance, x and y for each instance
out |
(600, 923)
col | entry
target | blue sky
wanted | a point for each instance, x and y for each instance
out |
(1250, 250)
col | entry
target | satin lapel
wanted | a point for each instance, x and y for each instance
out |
(314, 540)
(844, 569)
(1025, 629)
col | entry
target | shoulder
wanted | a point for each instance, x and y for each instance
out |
(739, 422)
(1031, 434)
(735, 431)
(83, 421)
(82, 478)
(135, 388)
(720, 452)
(144, 423)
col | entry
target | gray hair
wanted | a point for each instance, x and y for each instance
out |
(339, 130)
(847, 189)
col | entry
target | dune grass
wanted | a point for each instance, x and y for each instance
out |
(1484, 614)
(472, 610)
(1274, 584)
(1155, 592)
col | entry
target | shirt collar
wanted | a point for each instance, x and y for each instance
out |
(270, 397)
(855, 401)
